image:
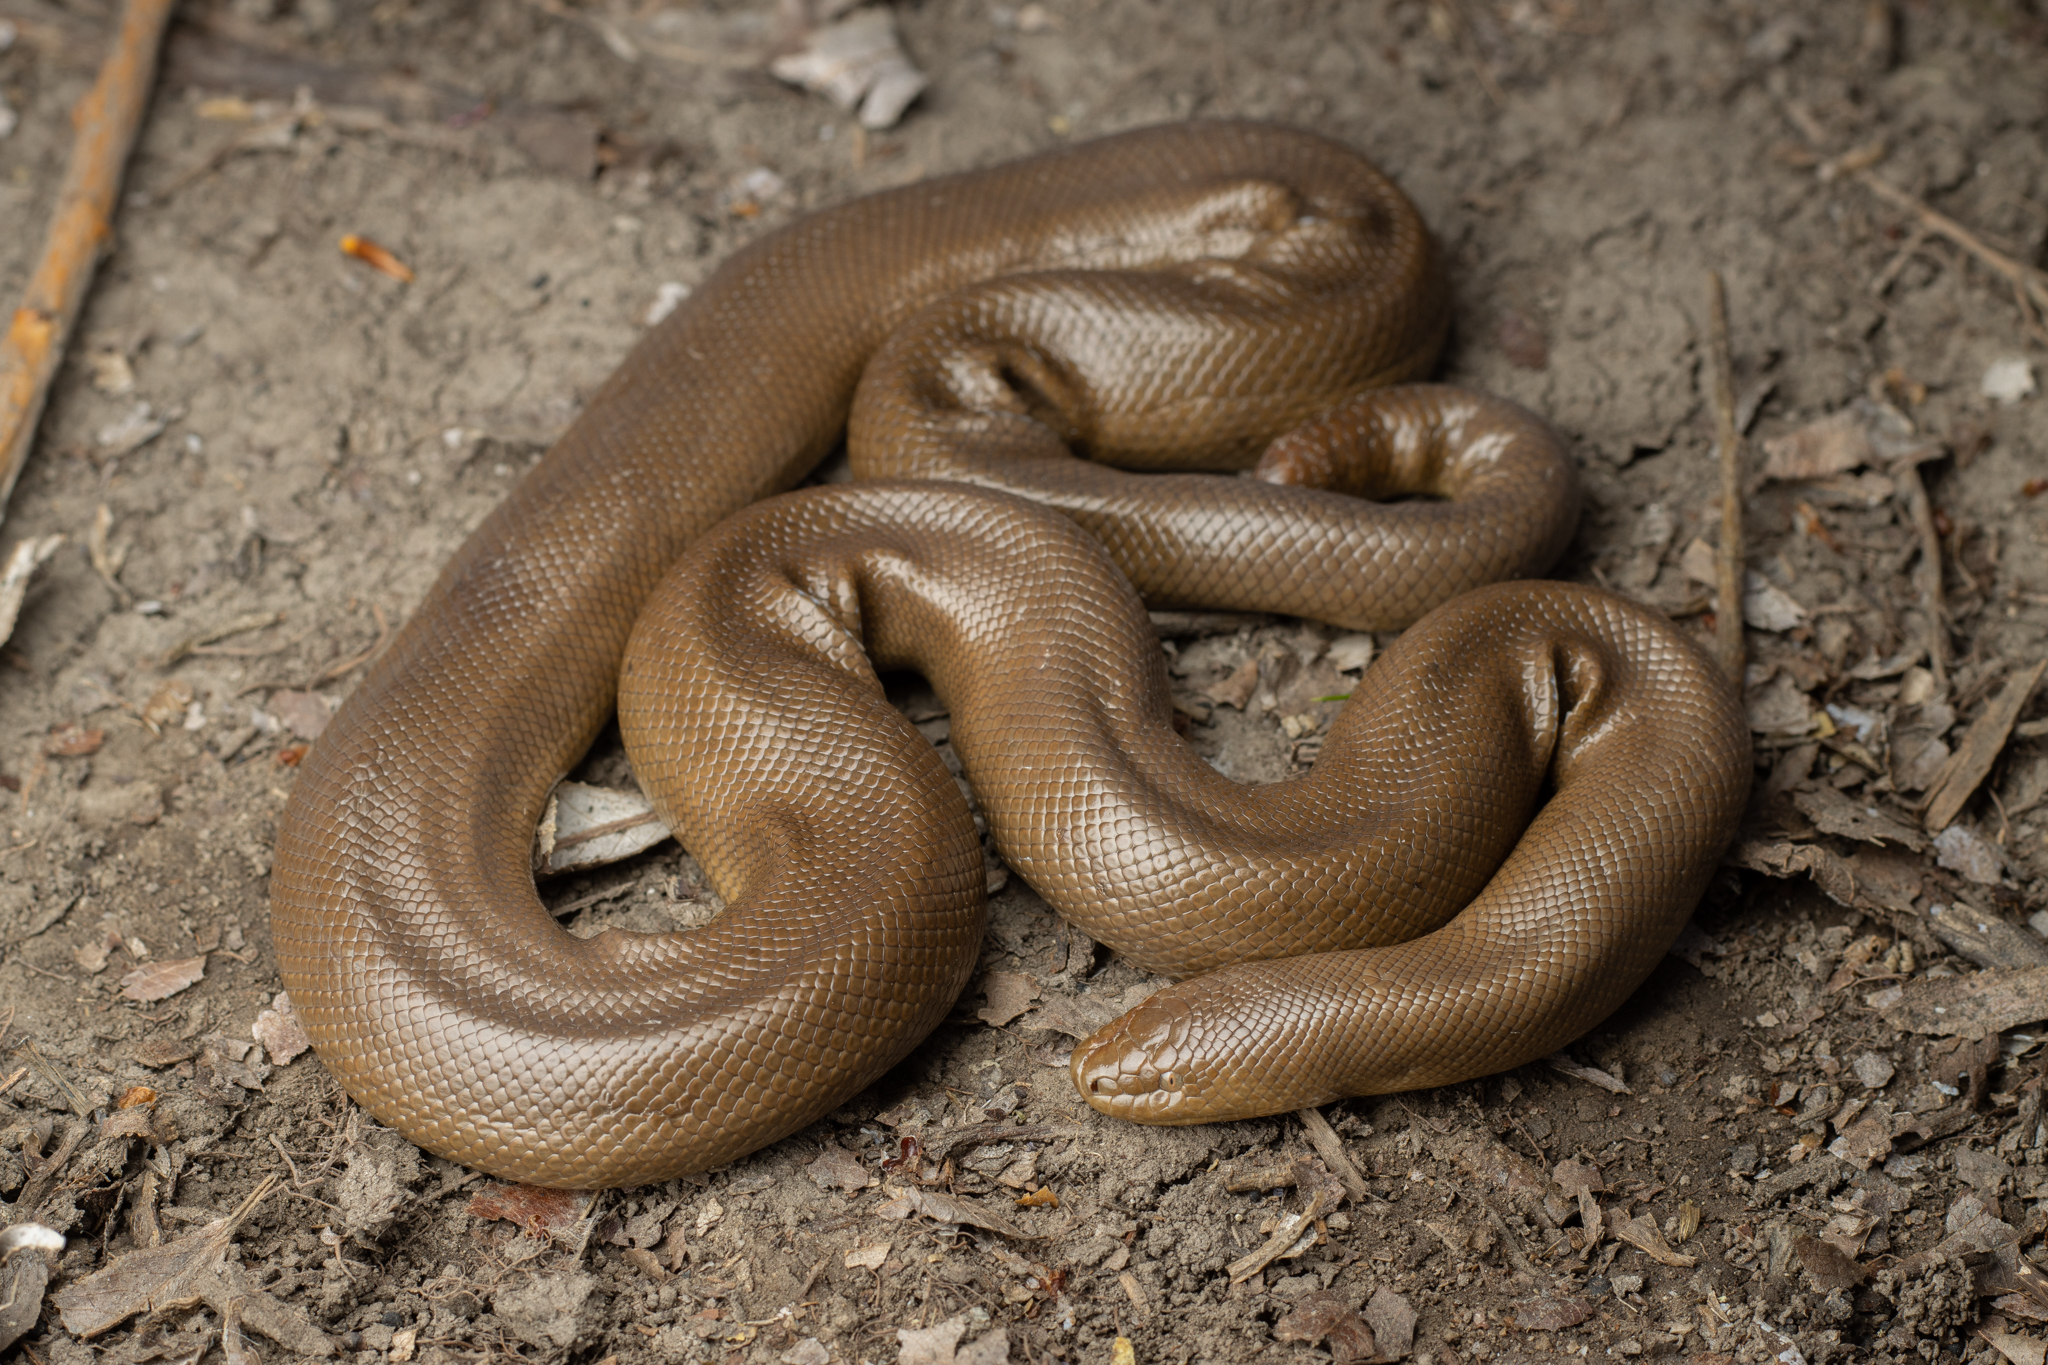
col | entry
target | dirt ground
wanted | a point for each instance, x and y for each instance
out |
(1790, 1145)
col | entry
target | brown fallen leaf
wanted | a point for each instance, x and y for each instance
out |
(838, 1169)
(1971, 1006)
(158, 1053)
(1834, 813)
(1076, 1016)
(1581, 1180)
(1329, 1315)
(2017, 1349)
(1826, 1263)
(1235, 690)
(1641, 1233)
(1009, 995)
(1040, 1198)
(867, 1257)
(940, 1345)
(944, 1208)
(1591, 1075)
(161, 980)
(542, 1214)
(193, 1269)
(1834, 444)
(72, 740)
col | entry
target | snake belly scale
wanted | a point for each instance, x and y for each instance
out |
(1221, 297)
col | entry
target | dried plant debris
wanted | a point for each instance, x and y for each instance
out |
(193, 1269)
(26, 1251)
(857, 62)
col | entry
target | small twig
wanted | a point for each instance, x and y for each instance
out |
(349, 665)
(1897, 263)
(1927, 574)
(1330, 1148)
(106, 561)
(106, 120)
(2029, 285)
(193, 644)
(1728, 644)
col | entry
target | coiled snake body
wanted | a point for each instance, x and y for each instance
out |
(1208, 296)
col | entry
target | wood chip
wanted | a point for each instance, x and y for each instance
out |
(1982, 743)
(1293, 1234)
(1330, 1148)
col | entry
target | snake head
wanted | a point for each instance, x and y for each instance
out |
(1142, 1066)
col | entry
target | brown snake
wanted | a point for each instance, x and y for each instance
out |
(1178, 295)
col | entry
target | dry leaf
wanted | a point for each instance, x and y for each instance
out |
(305, 714)
(868, 1257)
(1329, 1315)
(1835, 444)
(542, 1214)
(938, 1345)
(279, 1030)
(1971, 1006)
(1237, 689)
(945, 1208)
(191, 1270)
(1827, 1264)
(857, 61)
(587, 826)
(72, 740)
(838, 1169)
(24, 1272)
(1641, 1233)
(1009, 995)
(161, 980)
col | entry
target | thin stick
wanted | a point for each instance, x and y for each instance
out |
(2029, 286)
(1927, 575)
(107, 120)
(1728, 646)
